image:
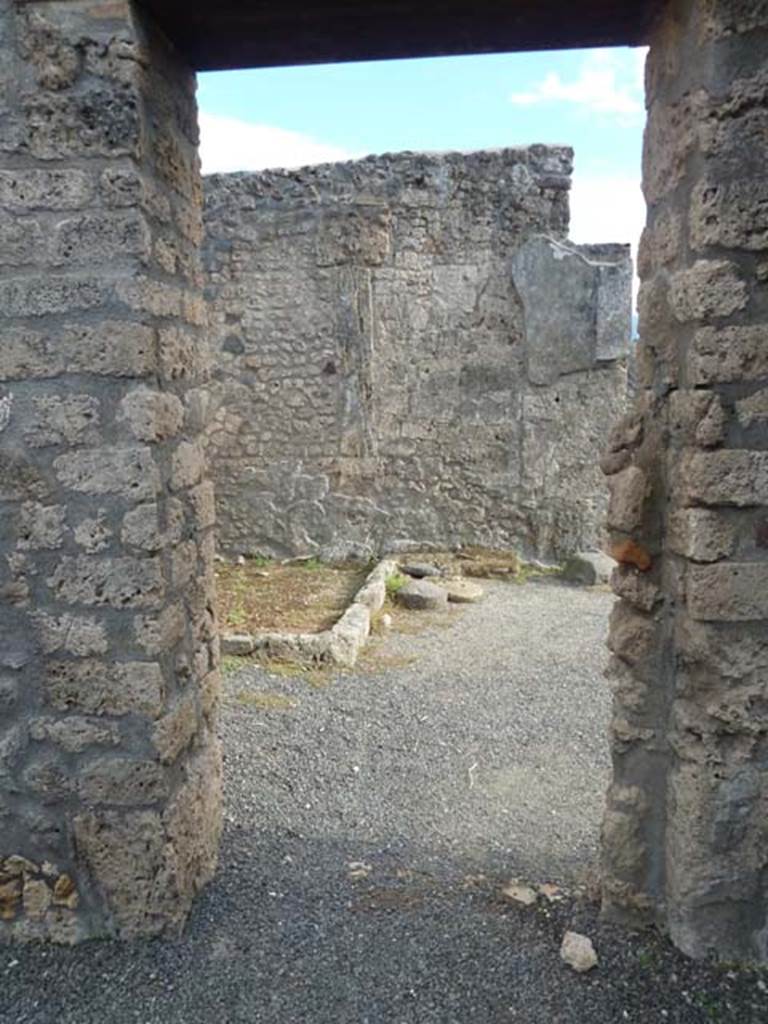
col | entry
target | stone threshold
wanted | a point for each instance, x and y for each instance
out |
(340, 645)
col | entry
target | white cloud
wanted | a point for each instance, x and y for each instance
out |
(607, 209)
(607, 83)
(229, 144)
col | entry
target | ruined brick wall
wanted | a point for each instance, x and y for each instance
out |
(109, 767)
(403, 353)
(685, 837)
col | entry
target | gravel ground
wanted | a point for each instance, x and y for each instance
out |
(372, 819)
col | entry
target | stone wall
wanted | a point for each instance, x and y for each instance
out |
(685, 838)
(406, 349)
(109, 766)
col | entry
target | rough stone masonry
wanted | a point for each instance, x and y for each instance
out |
(109, 764)
(685, 839)
(406, 349)
(109, 769)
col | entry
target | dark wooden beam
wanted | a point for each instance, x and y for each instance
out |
(256, 33)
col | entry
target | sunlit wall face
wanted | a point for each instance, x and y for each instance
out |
(589, 99)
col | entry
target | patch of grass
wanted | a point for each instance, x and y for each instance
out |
(265, 701)
(312, 564)
(395, 582)
(259, 561)
(316, 677)
(237, 617)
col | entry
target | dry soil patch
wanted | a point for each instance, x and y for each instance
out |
(300, 597)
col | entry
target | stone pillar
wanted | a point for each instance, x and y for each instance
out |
(109, 767)
(686, 829)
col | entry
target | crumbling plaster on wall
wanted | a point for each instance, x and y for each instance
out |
(406, 350)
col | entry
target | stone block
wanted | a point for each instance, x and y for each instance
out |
(734, 477)
(588, 568)
(94, 533)
(22, 241)
(152, 415)
(74, 734)
(632, 635)
(753, 411)
(122, 780)
(175, 730)
(74, 634)
(103, 237)
(419, 594)
(700, 534)
(187, 465)
(162, 631)
(40, 527)
(723, 354)
(635, 587)
(629, 489)
(237, 644)
(128, 856)
(184, 564)
(728, 591)
(142, 529)
(94, 687)
(734, 216)
(114, 582)
(37, 189)
(40, 296)
(60, 420)
(708, 289)
(696, 418)
(129, 472)
(203, 505)
(102, 119)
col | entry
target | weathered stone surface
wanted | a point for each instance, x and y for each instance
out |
(629, 488)
(237, 644)
(118, 582)
(127, 781)
(701, 535)
(152, 415)
(419, 594)
(753, 411)
(419, 570)
(75, 733)
(575, 305)
(460, 591)
(130, 472)
(173, 732)
(721, 354)
(95, 687)
(635, 587)
(578, 952)
(710, 288)
(102, 337)
(725, 478)
(729, 592)
(690, 629)
(441, 431)
(589, 568)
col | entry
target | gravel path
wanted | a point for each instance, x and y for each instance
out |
(371, 821)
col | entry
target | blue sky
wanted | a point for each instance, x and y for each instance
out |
(590, 99)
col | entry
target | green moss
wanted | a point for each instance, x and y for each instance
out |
(394, 582)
